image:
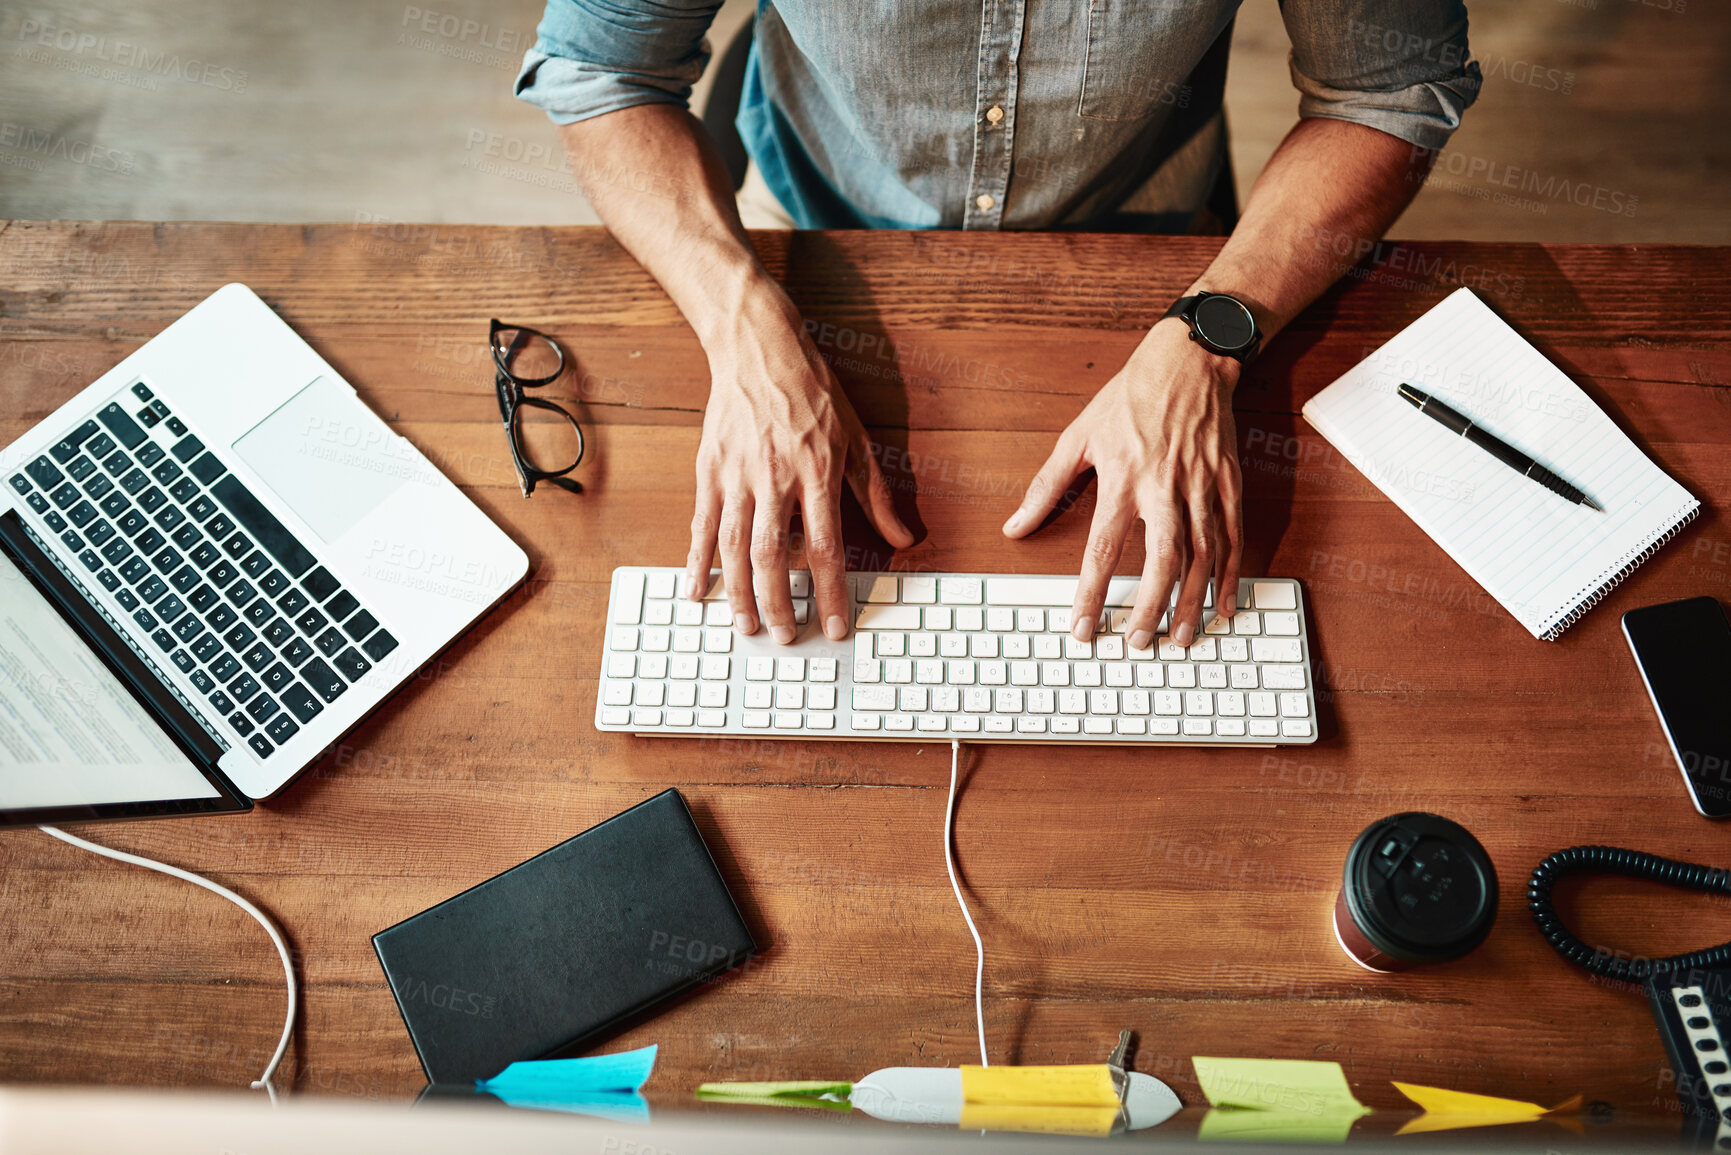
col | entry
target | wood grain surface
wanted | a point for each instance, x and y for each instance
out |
(1183, 893)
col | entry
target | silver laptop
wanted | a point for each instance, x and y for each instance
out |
(214, 562)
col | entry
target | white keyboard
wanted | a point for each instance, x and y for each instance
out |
(981, 657)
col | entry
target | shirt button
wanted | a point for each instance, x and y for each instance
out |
(994, 114)
(985, 202)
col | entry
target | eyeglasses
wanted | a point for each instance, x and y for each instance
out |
(526, 359)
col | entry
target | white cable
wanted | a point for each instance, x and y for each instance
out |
(950, 865)
(198, 880)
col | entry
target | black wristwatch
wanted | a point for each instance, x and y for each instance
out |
(1219, 323)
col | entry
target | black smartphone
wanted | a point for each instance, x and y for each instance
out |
(1684, 652)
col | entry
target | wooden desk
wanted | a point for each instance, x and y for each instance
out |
(1182, 893)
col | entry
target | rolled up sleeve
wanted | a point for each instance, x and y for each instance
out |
(597, 56)
(1402, 68)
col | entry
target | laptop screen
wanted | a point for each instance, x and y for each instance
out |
(71, 734)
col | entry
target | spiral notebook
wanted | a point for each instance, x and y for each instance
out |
(1546, 560)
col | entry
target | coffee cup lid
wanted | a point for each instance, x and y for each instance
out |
(1420, 887)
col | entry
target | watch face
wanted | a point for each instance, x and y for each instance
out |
(1224, 322)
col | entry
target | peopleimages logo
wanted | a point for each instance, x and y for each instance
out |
(125, 54)
(39, 142)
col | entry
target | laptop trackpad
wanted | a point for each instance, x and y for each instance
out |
(329, 457)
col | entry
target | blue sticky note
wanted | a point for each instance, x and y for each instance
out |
(549, 1081)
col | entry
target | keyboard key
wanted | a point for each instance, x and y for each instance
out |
(142, 391)
(187, 448)
(189, 629)
(282, 728)
(187, 536)
(293, 602)
(240, 593)
(109, 579)
(243, 687)
(182, 661)
(117, 463)
(207, 468)
(329, 642)
(70, 443)
(220, 701)
(277, 631)
(169, 608)
(134, 570)
(56, 523)
(382, 643)
(219, 527)
(169, 516)
(20, 483)
(167, 560)
(258, 657)
(163, 639)
(323, 680)
(202, 681)
(184, 579)
(90, 561)
(115, 504)
(72, 540)
(241, 724)
(124, 428)
(239, 637)
(166, 472)
(145, 619)
(149, 541)
(206, 647)
(151, 499)
(351, 665)
(135, 480)
(320, 584)
(277, 678)
(255, 564)
(296, 652)
(202, 598)
(99, 533)
(203, 554)
(65, 495)
(80, 467)
(44, 473)
(237, 545)
(262, 707)
(221, 617)
(360, 625)
(147, 417)
(300, 702)
(259, 743)
(221, 574)
(127, 599)
(201, 508)
(341, 606)
(260, 612)
(98, 487)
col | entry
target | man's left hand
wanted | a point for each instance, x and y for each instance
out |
(1161, 441)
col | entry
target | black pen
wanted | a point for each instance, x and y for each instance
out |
(1501, 450)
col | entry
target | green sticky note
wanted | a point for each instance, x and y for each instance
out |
(806, 1093)
(1297, 1099)
(1238, 1123)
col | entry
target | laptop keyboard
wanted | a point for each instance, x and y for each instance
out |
(186, 553)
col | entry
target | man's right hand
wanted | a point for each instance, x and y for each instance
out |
(779, 434)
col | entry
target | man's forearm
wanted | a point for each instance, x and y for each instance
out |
(1328, 179)
(658, 184)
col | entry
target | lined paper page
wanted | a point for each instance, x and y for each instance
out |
(1536, 553)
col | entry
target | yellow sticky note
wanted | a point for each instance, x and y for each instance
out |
(1072, 1086)
(1291, 1086)
(1446, 1110)
(1058, 1119)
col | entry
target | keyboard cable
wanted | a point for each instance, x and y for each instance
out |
(264, 1081)
(950, 865)
(1631, 864)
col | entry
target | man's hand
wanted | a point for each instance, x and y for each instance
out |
(1164, 449)
(779, 433)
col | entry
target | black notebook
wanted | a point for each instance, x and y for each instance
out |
(557, 953)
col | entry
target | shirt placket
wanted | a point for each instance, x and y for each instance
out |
(1001, 24)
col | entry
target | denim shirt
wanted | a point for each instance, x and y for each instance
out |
(992, 114)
